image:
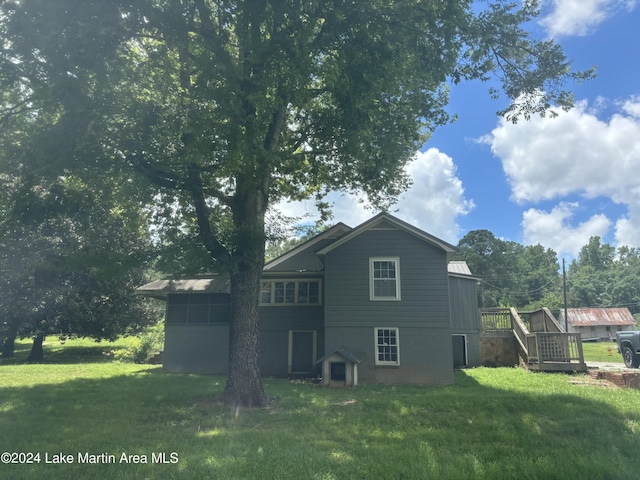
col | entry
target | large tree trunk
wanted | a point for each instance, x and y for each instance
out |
(36, 354)
(244, 386)
(9, 343)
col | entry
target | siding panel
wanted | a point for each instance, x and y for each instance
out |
(196, 348)
(422, 314)
(423, 282)
(425, 355)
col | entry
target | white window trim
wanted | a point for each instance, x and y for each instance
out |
(375, 342)
(297, 282)
(372, 297)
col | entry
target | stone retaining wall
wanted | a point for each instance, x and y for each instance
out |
(498, 349)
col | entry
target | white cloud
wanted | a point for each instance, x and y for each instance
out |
(433, 202)
(628, 227)
(436, 197)
(576, 153)
(553, 230)
(632, 106)
(580, 17)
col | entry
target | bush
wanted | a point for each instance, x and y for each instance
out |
(144, 346)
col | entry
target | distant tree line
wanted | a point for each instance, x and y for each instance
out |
(530, 277)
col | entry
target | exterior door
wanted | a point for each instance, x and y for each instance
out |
(302, 352)
(459, 350)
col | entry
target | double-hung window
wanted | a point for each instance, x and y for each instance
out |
(384, 275)
(387, 344)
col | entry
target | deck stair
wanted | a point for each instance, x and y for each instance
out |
(543, 343)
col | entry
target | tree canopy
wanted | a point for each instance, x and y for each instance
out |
(512, 274)
(528, 277)
(228, 106)
(69, 263)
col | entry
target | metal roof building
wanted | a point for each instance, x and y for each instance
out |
(591, 317)
(598, 323)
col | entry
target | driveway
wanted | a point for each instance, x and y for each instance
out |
(615, 366)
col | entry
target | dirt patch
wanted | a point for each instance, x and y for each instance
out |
(589, 381)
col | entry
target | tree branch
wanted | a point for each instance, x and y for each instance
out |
(154, 174)
(216, 43)
(196, 189)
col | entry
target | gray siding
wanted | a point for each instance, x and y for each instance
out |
(305, 260)
(425, 355)
(423, 279)
(465, 315)
(204, 347)
(196, 336)
(196, 348)
(275, 324)
(422, 314)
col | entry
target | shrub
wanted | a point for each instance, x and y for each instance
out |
(141, 348)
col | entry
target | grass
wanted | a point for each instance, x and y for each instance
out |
(599, 352)
(72, 350)
(504, 423)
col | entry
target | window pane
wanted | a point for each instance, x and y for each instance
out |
(385, 279)
(279, 292)
(384, 269)
(387, 345)
(177, 313)
(384, 288)
(219, 313)
(265, 293)
(303, 292)
(179, 299)
(290, 292)
(199, 299)
(314, 292)
(198, 313)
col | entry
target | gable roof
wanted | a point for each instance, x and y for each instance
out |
(341, 350)
(305, 258)
(306, 251)
(591, 317)
(384, 219)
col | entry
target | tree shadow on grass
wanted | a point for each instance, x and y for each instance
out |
(58, 352)
(471, 430)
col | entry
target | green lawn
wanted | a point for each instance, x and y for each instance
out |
(492, 424)
(74, 350)
(601, 352)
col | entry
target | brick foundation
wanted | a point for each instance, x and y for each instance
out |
(621, 379)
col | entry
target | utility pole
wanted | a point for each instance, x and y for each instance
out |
(564, 288)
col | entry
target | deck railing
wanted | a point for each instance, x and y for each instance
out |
(555, 347)
(541, 320)
(539, 335)
(521, 332)
(496, 320)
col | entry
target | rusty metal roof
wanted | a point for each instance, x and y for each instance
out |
(591, 317)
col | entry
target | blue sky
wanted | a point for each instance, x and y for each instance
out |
(551, 181)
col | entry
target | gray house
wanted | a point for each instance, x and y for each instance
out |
(379, 303)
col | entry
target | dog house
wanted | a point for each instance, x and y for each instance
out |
(340, 368)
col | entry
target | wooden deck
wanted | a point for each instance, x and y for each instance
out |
(543, 344)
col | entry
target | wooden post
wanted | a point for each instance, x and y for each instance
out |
(564, 287)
